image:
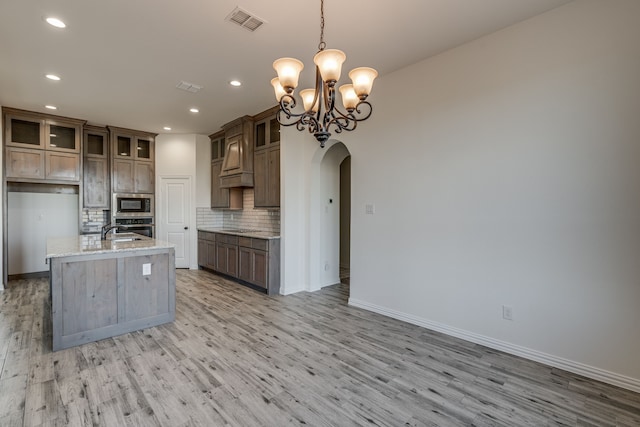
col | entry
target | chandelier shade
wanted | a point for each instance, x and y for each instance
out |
(321, 115)
(362, 79)
(288, 70)
(329, 62)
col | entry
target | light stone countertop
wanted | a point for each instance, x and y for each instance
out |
(242, 233)
(90, 244)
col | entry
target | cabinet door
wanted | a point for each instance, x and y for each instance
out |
(252, 266)
(144, 178)
(267, 177)
(24, 163)
(62, 166)
(96, 183)
(95, 144)
(232, 260)
(273, 177)
(123, 176)
(221, 258)
(202, 253)
(244, 264)
(27, 132)
(60, 136)
(227, 259)
(95, 171)
(260, 261)
(122, 146)
(219, 196)
(260, 178)
(144, 149)
(211, 255)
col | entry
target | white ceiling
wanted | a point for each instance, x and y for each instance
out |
(120, 60)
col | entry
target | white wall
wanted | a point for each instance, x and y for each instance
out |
(34, 217)
(203, 171)
(503, 172)
(177, 156)
(1, 211)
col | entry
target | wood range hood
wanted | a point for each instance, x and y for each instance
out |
(237, 168)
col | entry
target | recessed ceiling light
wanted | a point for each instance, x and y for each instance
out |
(55, 22)
(194, 110)
(51, 107)
(52, 77)
(166, 128)
(235, 83)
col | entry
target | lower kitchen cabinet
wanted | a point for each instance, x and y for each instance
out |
(251, 260)
(227, 259)
(253, 266)
(207, 249)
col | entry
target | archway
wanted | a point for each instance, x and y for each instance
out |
(326, 215)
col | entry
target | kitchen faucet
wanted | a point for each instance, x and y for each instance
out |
(108, 227)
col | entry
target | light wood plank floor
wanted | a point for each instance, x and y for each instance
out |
(235, 357)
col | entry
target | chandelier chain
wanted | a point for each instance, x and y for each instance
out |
(322, 44)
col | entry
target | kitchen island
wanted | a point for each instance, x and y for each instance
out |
(103, 288)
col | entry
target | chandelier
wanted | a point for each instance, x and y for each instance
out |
(320, 111)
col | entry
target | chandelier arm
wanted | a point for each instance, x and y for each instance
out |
(348, 121)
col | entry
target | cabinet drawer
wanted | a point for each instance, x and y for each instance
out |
(225, 238)
(205, 235)
(254, 243)
(260, 244)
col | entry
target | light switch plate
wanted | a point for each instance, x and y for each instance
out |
(146, 269)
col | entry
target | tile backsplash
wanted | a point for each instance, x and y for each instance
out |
(94, 219)
(247, 218)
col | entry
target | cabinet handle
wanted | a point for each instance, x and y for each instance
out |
(186, 228)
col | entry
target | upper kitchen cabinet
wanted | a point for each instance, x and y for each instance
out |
(41, 147)
(95, 176)
(266, 173)
(267, 129)
(26, 129)
(133, 161)
(237, 166)
(221, 198)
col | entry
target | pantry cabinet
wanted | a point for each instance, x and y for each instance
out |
(96, 172)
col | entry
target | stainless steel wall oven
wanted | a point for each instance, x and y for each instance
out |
(140, 225)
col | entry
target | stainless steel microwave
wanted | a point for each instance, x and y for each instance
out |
(132, 205)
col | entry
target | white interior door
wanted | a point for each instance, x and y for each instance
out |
(175, 214)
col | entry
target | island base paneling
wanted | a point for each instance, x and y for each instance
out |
(100, 296)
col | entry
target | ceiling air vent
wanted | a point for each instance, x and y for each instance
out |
(245, 19)
(189, 87)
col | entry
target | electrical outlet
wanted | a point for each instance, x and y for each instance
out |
(370, 209)
(507, 312)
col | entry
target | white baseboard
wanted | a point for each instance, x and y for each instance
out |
(608, 377)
